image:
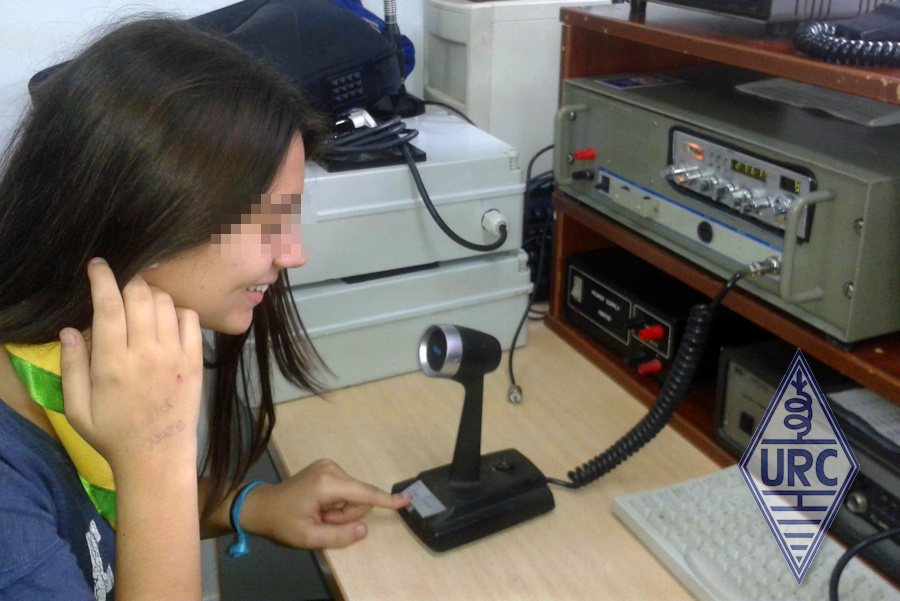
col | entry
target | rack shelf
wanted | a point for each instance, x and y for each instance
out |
(607, 39)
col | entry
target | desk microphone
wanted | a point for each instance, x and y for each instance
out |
(476, 494)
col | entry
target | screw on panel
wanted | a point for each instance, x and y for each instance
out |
(503, 465)
(572, 115)
(570, 158)
(857, 503)
(848, 289)
(858, 226)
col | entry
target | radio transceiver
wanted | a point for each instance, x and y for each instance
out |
(725, 179)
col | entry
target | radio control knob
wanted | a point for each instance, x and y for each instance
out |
(684, 174)
(691, 175)
(737, 198)
(782, 203)
(709, 184)
(756, 205)
(724, 189)
(672, 171)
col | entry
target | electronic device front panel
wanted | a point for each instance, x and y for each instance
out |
(724, 179)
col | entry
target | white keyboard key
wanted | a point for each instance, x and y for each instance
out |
(720, 583)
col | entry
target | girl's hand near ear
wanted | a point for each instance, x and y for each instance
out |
(136, 400)
(320, 507)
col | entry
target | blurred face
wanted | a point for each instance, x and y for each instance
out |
(224, 280)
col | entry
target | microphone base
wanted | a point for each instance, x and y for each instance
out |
(510, 490)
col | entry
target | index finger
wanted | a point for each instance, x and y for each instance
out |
(349, 512)
(354, 491)
(108, 331)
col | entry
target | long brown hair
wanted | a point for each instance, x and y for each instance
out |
(134, 151)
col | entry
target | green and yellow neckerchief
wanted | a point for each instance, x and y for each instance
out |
(39, 368)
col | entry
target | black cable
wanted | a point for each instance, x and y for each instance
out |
(368, 144)
(680, 376)
(850, 554)
(546, 176)
(361, 148)
(539, 184)
(362, 133)
(362, 140)
(395, 126)
(393, 134)
(732, 281)
(515, 393)
(451, 109)
(404, 149)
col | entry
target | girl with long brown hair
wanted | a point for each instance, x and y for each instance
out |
(152, 189)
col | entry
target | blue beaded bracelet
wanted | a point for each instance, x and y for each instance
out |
(239, 548)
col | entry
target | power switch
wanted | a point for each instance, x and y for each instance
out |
(652, 333)
(586, 154)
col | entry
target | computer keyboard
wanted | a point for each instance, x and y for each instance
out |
(711, 535)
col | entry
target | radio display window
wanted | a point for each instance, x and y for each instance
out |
(748, 170)
(790, 185)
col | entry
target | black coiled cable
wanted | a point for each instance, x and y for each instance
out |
(821, 40)
(681, 374)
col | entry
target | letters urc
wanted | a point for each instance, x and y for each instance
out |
(799, 461)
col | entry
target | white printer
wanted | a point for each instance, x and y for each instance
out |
(380, 271)
(497, 61)
(373, 220)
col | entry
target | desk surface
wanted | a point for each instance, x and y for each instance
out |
(386, 431)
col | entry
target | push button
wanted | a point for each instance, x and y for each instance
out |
(650, 367)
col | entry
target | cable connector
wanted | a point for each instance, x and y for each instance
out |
(361, 118)
(514, 394)
(492, 221)
(766, 266)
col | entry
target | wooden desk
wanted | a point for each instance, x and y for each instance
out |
(386, 431)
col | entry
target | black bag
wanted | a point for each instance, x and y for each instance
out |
(338, 58)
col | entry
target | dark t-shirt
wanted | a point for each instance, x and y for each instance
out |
(53, 543)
